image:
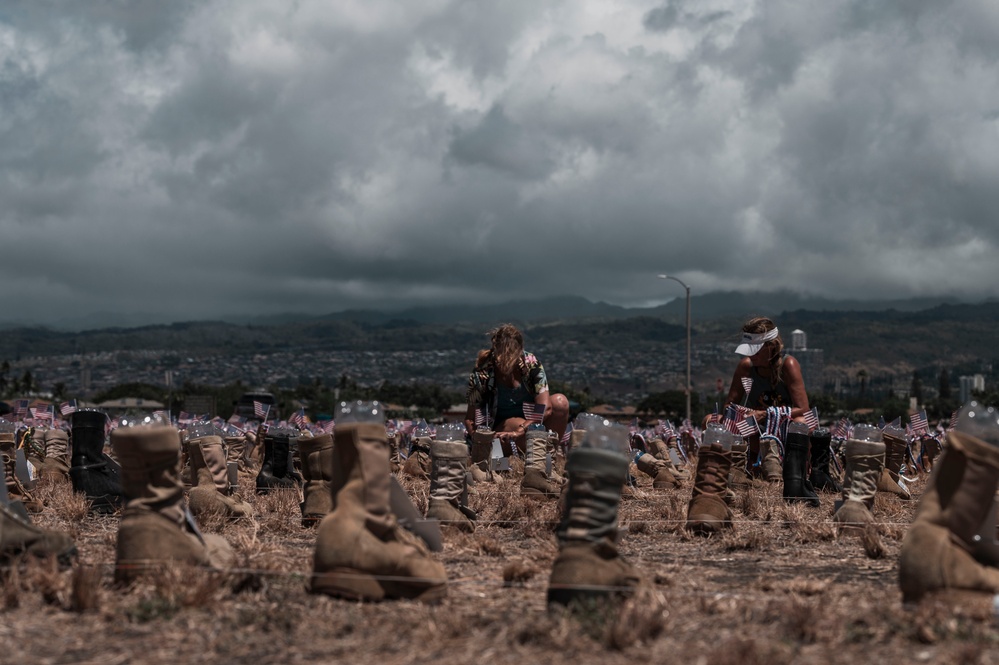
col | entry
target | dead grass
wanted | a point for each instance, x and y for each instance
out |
(779, 588)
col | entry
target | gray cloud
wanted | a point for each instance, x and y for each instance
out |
(201, 159)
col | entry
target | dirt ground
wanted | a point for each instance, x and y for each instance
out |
(781, 588)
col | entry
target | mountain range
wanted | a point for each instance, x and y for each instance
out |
(887, 336)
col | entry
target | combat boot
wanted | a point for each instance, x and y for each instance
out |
(362, 553)
(276, 471)
(481, 451)
(738, 477)
(797, 488)
(773, 468)
(94, 474)
(418, 463)
(889, 481)
(588, 567)
(707, 512)
(821, 454)
(943, 550)
(235, 452)
(317, 469)
(19, 537)
(448, 496)
(661, 476)
(210, 495)
(864, 463)
(156, 528)
(56, 463)
(535, 482)
(15, 489)
(931, 449)
(661, 449)
(394, 458)
(32, 441)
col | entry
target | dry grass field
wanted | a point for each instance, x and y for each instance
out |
(781, 588)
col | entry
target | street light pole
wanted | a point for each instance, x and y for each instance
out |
(687, 289)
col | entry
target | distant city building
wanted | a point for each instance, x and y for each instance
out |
(811, 361)
(969, 384)
(799, 340)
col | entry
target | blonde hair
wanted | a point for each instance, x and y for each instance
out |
(507, 348)
(761, 324)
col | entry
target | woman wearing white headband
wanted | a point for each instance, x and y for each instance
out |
(776, 378)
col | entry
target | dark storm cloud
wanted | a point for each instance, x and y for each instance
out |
(203, 159)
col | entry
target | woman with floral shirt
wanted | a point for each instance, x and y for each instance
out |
(506, 378)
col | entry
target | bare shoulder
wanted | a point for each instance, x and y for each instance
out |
(742, 369)
(792, 366)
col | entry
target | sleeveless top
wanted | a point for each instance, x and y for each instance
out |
(763, 393)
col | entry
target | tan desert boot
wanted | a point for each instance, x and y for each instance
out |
(15, 489)
(955, 514)
(417, 464)
(56, 464)
(662, 477)
(738, 477)
(707, 512)
(362, 552)
(18, 538)
(481, 452)
(773, 469)
(864, 463)
(888, 481)
(155, 527)
(235, 451)
(447, 486)
(536, 483)
(317, 469)
(210, 495)
(588, 567)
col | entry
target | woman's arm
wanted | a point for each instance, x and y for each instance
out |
(795, 386)
(470, 418)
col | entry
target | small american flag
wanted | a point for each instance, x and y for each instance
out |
(568, 431)
(841, 429)
(298, 418)
(260, 410)
(919, 422)
(747, 384)
(184, 417)
(811, 418)
(41, 413)
(21, 408)
(747, 427)
(953, 421)
(480, 417)
(66, 408)
(534, 412)
(729, 419)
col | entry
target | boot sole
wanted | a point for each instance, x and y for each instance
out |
(707, 527)
(351, 584)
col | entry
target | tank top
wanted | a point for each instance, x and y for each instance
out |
(763, 393)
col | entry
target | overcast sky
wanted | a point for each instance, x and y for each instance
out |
(194, 159)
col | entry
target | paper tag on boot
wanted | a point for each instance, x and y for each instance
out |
(673, 457)
(497, 459)
(410, 519)
(22, 470)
